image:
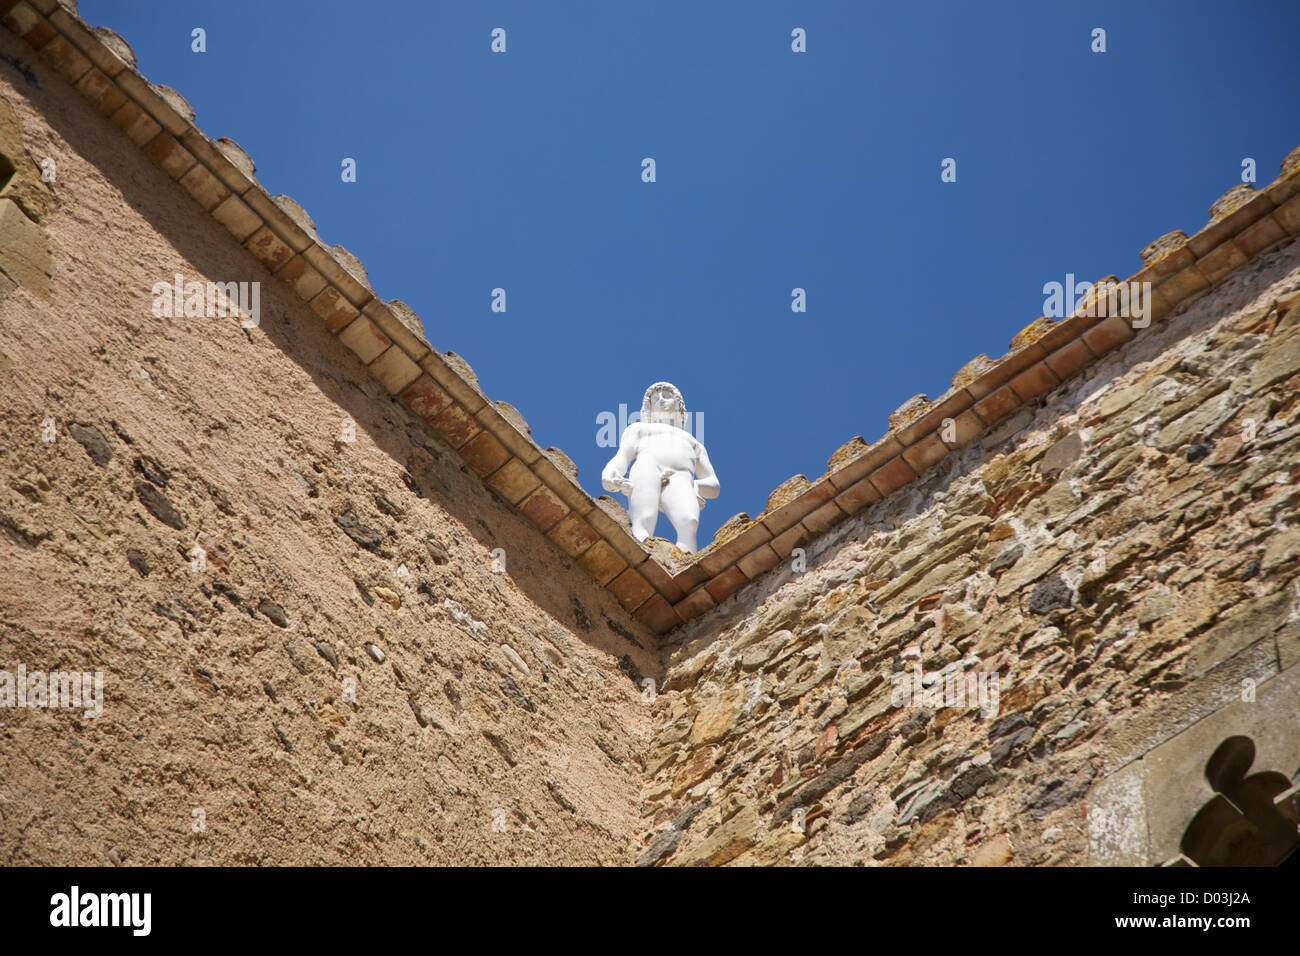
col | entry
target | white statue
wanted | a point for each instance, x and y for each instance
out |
(670, 470)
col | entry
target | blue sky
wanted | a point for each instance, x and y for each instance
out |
(775, 170)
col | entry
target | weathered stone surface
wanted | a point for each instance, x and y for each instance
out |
(1029, 569)
(849, 635)
(1198, 425)
(1288, 645)
(93, 440)
(138, 560)
(1232, 200)
(774, 850)
(114, 42)
(1281, 361)
(25, 187)
(1248, 623)
(1151, 802)
(1161, 602)
(365, 536)
(698, 766)
(24, 249)
(664, 844)
(845, 453)
(1032, 332)
(1161, 247)
(466, 371)
(1215, 689)
(931, 556)
(725, 843)
(760, 654)
(156, 503)
(1063, 454)
(295, 212)
(717, 717)
(1050, 595)
(909, 411)
(1281, 551)
(971, 371)
(784, 615)
(729, 529)
(787, 491)
(996, 852)
(230, 149)
(1117, 830)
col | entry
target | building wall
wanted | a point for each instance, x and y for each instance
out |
(1120, 556)
(381, 661)
(334, 569)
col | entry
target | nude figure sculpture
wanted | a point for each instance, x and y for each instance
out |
(670, 470)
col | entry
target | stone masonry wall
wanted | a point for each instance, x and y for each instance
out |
(1121, 555)
(358, 675)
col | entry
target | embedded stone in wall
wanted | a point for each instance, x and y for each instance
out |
(717, 717)
(1062, 455)
(24, 250)
(25, 186)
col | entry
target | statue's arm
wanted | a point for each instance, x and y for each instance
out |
(706, 481)
(611, 479)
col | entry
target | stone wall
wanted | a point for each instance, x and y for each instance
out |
(377, 654)
(1102, 588)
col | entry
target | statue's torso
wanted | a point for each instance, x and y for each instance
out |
(665, 446)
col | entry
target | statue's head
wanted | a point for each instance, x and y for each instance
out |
(663, 404)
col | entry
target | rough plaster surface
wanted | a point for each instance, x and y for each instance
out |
(515, 691)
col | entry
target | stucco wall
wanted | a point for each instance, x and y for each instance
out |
(226, 690)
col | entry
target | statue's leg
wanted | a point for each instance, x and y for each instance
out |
(643, 503)
(682, 508)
